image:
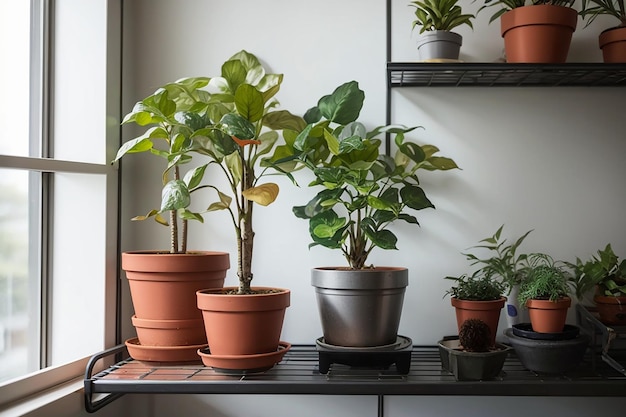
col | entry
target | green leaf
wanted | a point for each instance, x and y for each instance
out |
(233, 163)
(237, 126)
(326, 229)
(189, 215)
(324, 200)
(194, 177)
(413, 151)
(379, 203)
(350, 144)
(383, 239)
(283, 119)
(223, 204)
(174, 196)
(344, 104)
(234, 73)
(249, 103)
(414, 197)
(312, 115)
(134, 146)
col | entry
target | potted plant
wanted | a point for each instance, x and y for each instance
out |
(363, 193)
(612, 41)
(163, 282)
(504, 261)
(244, 323)
(545, 292)
(539, 31)
(436, 19)
(605, 275)
(478, 296)
(473, 356)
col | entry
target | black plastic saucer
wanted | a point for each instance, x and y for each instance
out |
(526, 330)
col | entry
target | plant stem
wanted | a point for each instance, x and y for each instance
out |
(245, 238)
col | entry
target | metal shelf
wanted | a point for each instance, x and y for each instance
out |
(471, 74)
(298, 373)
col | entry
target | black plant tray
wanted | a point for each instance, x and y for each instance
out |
(375, 357)
(526, 330)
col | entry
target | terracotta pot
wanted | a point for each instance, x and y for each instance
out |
(612, 310)
(613, 44)
(169, 332)
(163, 286)
(548, 316)
(243, 324)
(487, 311)
(538, 33)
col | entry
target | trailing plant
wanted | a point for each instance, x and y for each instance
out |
(507, 5)
(604, 270)
(476, 287)
(364, 191)
(439, 15)
(475, 335)
(593, 8)
(545, 279)
(173, 128)
(504, 261)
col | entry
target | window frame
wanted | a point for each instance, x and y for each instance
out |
(41, 96)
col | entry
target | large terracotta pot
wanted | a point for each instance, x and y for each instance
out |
(548, 316)
(243, 324)
(612, 310)
(360, 308)
(613, 44)
(538, 33)
(487, 311)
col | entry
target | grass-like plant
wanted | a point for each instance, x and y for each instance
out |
(545, 279)
(439, 15)
(507, 5)
(476, 287)
(593, 8)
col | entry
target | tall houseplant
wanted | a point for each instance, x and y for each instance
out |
(363, 193)
(247, 127)
(436, 19)
(612, 41)
(163, 282)
(537, 31)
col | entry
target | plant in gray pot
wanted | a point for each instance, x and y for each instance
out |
(436, 19)
(363, 193)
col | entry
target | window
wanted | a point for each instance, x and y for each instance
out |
(59, 117)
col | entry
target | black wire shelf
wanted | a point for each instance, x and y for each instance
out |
(471, 74)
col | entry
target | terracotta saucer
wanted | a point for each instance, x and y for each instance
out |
(186, 353)
(239, 364)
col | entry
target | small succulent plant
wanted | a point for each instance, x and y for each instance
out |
(475, 335)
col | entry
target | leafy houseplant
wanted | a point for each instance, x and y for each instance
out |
(606, 274)
(612, 40)
(436, 19)
(545, 289)
(538, 31)
(363, 193)
(476, 287)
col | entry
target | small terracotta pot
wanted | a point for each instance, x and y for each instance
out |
(538, 33)
(243, 324)
(163, 286)
(548, 316)
(170, 332)
(613, 44)
(612, 310)
(487, 311)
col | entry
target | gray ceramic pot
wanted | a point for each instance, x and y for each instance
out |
(472, 366)
(439, 44)
(360, 308)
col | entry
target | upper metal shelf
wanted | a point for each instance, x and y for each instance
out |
(471, 74)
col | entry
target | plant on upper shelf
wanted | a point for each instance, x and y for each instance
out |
(591, 9)
(363, 191)
(439, 15)
(173, 122)
(545, 279)
(603, 271)
(479, 286)
(507, 5)
(504, 261)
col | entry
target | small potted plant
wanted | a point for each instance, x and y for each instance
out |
(604, 274)
(545, 292)
(503, 260)
(163, 282)
(538, 31)
(478, 296)
(436, 19)
(472, 356)
(612, 41)
(363, 193)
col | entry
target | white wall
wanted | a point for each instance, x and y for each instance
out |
(548, 161)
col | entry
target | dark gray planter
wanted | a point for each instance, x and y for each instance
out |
(472, 366)
(549, 356)
(439, 44)
(360, 308)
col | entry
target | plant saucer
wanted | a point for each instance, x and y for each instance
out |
(185, 353)
(243, 364)
(526, 330)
